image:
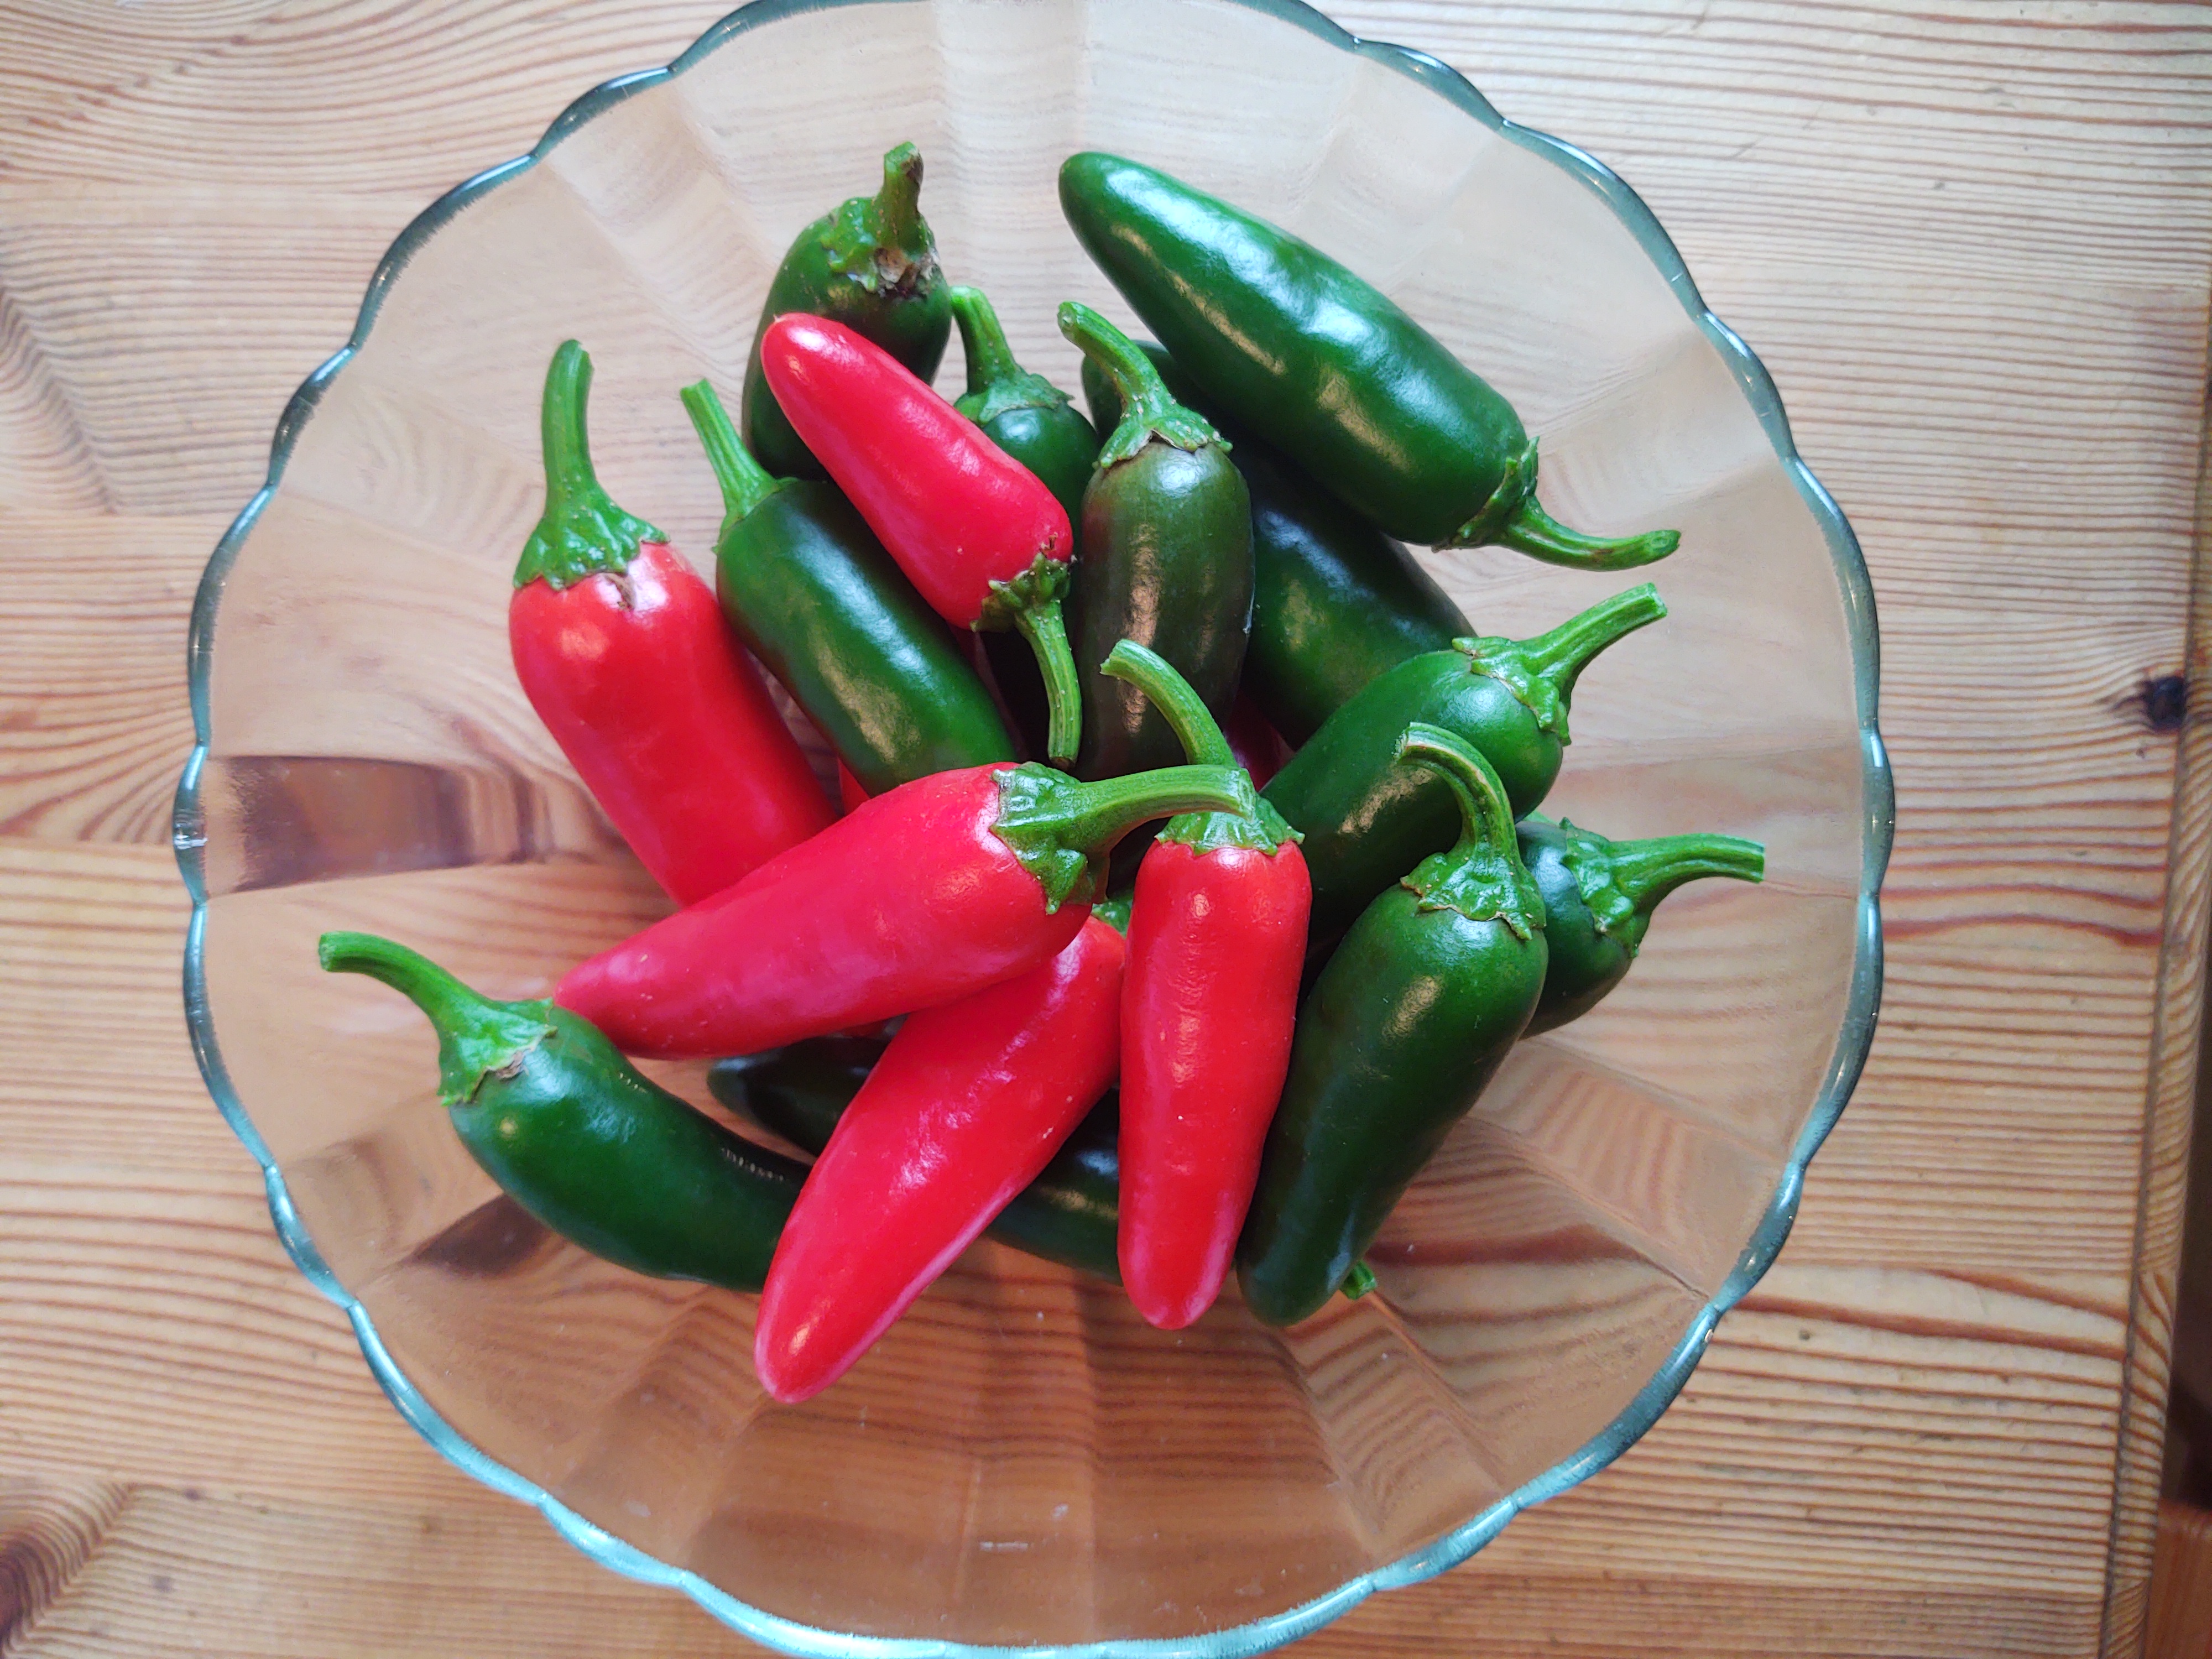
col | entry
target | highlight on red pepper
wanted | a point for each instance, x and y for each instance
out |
(965, 1110)
(976, 532)
(621, 649)
(923, 894)
(1217, 941)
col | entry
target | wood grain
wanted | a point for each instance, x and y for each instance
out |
(1973, 246)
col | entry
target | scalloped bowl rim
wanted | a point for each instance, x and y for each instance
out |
(1853, 1041)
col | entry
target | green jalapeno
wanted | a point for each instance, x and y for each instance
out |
(1326, 367)
(815, 596)
(571, 1132)
(1415, 1012)
(1368, 820)
(1335, 601)
(1600, 894)
(1068, 1214)
(1164, 559)
(1037, 423)
(871, 265)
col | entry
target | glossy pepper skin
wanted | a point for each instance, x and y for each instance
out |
(1367, 820)
(914, 899)
(1067, 1214)
(1217, 940)
(1600, 894)
(1167, 558)
(1407, 1023)
(978, 535)
(872, 265)
(621, 650)
(807, 586)
(1325, 368)
(966, 1108)
(1335, 601)
(572, 1133)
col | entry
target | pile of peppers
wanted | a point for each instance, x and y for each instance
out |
(1181, 880)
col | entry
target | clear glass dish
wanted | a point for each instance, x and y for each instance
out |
(1022, 1460)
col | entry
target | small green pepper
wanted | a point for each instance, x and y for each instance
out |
(573, 1133)
(871, 265)
(1599, 895)
(1416, 1009)
(1335, 601)
(1037, 423)
(1326, 367)
(1068, 1214)
(815, 596)
(1165, 558)
(1368, 820)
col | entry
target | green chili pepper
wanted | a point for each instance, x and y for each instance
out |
(1335, 601)
(871, 265)
(1165, 558)
(1068, 1214)
(1599, 895)
(1037, 423)
(1368, 820)
(572, 1133)
(815, 596)
(1326, 367)
(1407, 1023)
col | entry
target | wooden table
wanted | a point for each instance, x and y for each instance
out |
(1972, 242)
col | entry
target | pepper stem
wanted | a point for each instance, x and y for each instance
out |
(1046, 630)
(745, 483)
(1173, 695)
(475, 1036)
(1535, 533)
(582, 533)
(1148, 407)
(897, 209)
(1559, 656)
(1645, 872)
(1485, 814)
(990, 359)
(1358, 1282)
(1062, 830)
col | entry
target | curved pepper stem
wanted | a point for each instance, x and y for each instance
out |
(1542, 671)
(476, 1037)
(581, 532)
(897, 208)
(1481, 876)
(1535, 533)
(745, 483)
(1201, 738)
(1062, 830)
(1622, 882)
(1149, 410)
(1046, 629)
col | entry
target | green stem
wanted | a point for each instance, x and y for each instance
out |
(745, 483)
(1358, 1282)
(1186, 711)
(1148, 409)
(897, 209)
(1485, 815)
(1061, 830)
(990, 359)
(1046, 630)
(581, 532)
(1532, 531)
(475, 1036)
(1559, 656)
(1645, 872)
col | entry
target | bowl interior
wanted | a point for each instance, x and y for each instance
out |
(1021, 1459)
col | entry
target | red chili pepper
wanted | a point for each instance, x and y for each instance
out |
(1217, 940)
(850, 795)
(965, 1108)
(986, 542)
(928, 892)
(622, 650)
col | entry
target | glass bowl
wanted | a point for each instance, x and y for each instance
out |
(1022, 1460)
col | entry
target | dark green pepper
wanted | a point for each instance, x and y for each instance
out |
(1165, 558)
(871, 265)
(815, 596)
(1599, 895)
(1368, 820)
(1434, 983)
(1335, 601)
(572, 1133)
(1068, 1214)
(1326, 367)
(1037, 423)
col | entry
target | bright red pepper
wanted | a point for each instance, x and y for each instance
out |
(1217, 940)
(621, 649)
(965, 1108)
(919, 895)
(984, 540)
